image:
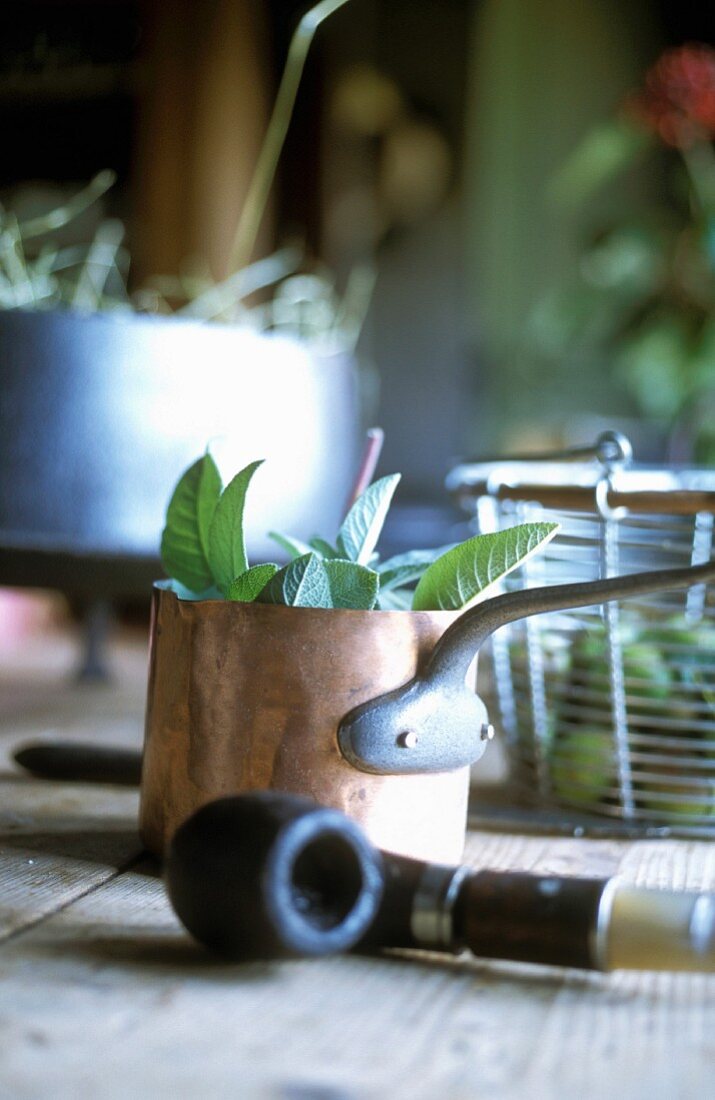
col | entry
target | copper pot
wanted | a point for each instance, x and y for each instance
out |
(250, 697)
(371, 712)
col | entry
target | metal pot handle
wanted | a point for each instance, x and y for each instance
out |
(435, 722)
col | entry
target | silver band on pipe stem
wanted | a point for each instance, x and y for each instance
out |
(431, 921)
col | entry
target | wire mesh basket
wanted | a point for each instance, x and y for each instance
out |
(608, 710)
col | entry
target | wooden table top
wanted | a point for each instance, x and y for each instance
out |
(103, 995)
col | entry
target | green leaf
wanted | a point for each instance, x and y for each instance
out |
(182, 554)
(351, 585)
(470, 569)
(227, 548)
(395, 600)
(296, 548)
(310, 582)
(362, 526)
(250, 584)
(607, 150)
(293, 547)
(301, 583)
(210, 487)
(185, 593)
(323, 548)
(407, 568)
(654, 363)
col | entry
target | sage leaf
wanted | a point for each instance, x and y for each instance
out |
(210, 487)
(296, 548)
(351, 585)
(407, 568)
(227, 548)
(185, 593)
(245, 588)
(293, 547)
(395, 599)
(301, 583)
(472, 568)
(362, 526)
(182, 554)
(323, 548)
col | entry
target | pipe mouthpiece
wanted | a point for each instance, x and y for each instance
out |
(659, 930)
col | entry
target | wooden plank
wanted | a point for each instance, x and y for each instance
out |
(102, 993)
(39, 696)
(114, 973)
(59, 840)
(56, 842)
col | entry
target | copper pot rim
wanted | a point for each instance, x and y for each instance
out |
(238, 607)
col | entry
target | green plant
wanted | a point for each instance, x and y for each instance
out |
(36, 273)
(642, 302)
(671, 794)
(582, 766)
(204, 552)
(645, 671)
(669, 662)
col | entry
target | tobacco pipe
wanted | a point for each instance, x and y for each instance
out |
(78, 763)
(265, 875)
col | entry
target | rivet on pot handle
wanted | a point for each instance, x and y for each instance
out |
(436, 722)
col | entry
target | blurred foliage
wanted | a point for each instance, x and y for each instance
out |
(37, 272)
(643, 297)
(666, 662)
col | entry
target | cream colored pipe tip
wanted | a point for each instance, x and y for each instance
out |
(659, 930)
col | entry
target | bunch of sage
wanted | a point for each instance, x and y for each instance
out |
(203, 550)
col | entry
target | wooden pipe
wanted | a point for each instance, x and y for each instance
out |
(590, 923)
(81, 763)
(265, 874)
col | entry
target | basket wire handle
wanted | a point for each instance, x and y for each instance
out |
(611, 449)
(614, 451)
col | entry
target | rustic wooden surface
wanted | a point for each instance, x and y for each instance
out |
(102, 994)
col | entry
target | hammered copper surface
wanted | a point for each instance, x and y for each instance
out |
(249, 696)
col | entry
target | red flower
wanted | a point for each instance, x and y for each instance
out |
(678, 102)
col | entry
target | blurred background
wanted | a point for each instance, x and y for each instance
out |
(512, 201)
